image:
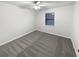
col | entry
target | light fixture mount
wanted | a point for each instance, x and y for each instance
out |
(37, 2)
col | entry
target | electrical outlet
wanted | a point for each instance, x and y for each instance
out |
(78, 50)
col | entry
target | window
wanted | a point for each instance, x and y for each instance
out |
(49, 19)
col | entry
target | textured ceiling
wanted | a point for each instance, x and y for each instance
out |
(48, 4)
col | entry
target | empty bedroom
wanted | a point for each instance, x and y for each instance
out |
(39, 28)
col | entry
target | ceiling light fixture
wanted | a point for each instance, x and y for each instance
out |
(37, 5)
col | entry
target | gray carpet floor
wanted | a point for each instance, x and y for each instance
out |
(38, 44)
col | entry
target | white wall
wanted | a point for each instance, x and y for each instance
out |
(63, 21)
(75, 39)
(14, 22)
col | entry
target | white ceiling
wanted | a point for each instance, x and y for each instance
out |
(49, 4)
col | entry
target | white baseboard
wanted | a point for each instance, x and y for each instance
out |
(15, 38)
(75, 48)
(56, 34)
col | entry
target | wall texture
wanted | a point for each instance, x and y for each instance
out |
(63, 21)
(75, 39)
(14, 22)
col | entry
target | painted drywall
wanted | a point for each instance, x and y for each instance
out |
(15, 22)
(75, 39)
(63, 21)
